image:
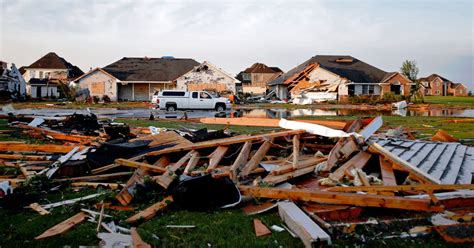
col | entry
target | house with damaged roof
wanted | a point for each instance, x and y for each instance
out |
(137, 79)
(12, 84)
(255, 78)
(337, 77)
(436, 85)
(49, 76)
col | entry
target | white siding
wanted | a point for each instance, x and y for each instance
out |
(212, 75)
(93, 82)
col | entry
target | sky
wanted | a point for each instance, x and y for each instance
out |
(438, 35)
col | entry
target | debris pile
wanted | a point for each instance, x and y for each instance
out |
(326, 178)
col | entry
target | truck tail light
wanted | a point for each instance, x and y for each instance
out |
(157, 101)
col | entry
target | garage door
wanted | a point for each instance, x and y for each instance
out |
(141, 92)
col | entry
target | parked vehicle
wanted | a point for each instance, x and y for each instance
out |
(172, 100)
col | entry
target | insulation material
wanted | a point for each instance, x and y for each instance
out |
(314, 129)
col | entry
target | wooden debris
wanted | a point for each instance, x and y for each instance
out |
(18, 147)
(97, 185)
(308, 231)
(241, 159)
(443, 136)
(266, 122)
(95, 177)
(167, 178)
(125, 196)
(216, 157)
(137, 241)
(260, 228)
(35, 206)
(388, 177)
(192, 163)
(358, 161)
(420, 187)
(341, 198)
(252, 209)
(63, 226)
(256, 158)
(139, 165)
(150, 212)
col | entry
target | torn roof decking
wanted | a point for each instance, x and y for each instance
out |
(450, 162)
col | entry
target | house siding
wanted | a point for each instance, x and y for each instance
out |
(398, 79)
(99, 84)
(201, 78)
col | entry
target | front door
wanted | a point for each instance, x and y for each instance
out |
(395, 89)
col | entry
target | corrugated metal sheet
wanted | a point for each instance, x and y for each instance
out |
(451, 163)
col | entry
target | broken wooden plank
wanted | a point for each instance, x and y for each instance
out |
(388, 177)
(275, 179)
(164, 138)
(256, 158)
(226, 141)
(287, 168)
(216, 157)
(15, 147)
(420, 187)
(139, 165)
(162, 162)
(137, 241)
(125, 196)
(241, 159)
(443, 136)
(192, 163)
(358, 161)
(260, 228)
(25, 157)
(363, 200)
(150, 212)
(104, 168)
(266, 122)
(35, 206)
(296, 150)
(97, 185)
(300, 224)
(95, 177)
(63, 226)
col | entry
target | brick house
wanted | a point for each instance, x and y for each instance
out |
(436, 85)
(255, 78)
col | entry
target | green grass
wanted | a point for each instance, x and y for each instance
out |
(450, 100)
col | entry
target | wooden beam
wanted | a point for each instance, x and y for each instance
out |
(216, 157)
(151, 211)
(388, 177)
(162, 162)
(260, 228)
(140, 165)
(256, 158)
(267, 122)
(275, 179)
(300, 224)
(296, 150)
(97, 185)
(125, 196)
(15, 147)
(104, 168)
(366, 200)
(24, 157)
(227, 141)
(167, 178)
(374, 147)
(420, 187)
(358, 161)
(137, 241)
(241, 159)
(95, 177)
(288, 167)
(192, 163)
(63, 226)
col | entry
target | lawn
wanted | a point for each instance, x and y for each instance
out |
(450, 100)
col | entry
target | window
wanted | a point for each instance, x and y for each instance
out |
(246, 76)
(46, 75)
(437, 84)
(32, 74)
(437, 92)
(368, 89)
(41, 75)
(174, 93)
(204, 95)
(195, 95)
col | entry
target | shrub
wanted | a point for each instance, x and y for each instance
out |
(106, 98)
(96, 99)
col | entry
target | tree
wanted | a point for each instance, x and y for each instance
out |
(410, 70)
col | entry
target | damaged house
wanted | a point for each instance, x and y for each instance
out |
(436, 85)
(49, 76)
(209, 77)
(135, 79)
(255, 78)
(336, 77)
(12, 84)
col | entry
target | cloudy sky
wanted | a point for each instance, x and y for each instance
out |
(439, 35)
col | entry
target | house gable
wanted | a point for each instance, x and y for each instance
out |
(207, 76)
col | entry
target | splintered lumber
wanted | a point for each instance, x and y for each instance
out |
(71, 201)
(226, 141)
(260, 228)
(341, 151)
(14, 147)
(419, 187)
(139, 165)
(256, 158)
(275, 179)
(97, 185)
(388, 177)
(288, 167)
(104, 168)
(150, 212)
(192, 163)
(300, 224)
(35, 206)
(59, 135)
(358, 161)
(363, 200)
(126, 194)
(137, 241)
(241, 159)
(296, 150)
(162, 162)
(167, 178)
(165, 138)
(63, 226)
(376, 148)
(25, 157)
(443, 136)
(266, 122)
(95, 177)
(216, 157)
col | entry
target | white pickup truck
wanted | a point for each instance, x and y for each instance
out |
(172, 100)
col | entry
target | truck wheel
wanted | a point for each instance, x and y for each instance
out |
(220, 107)
(171, 108)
